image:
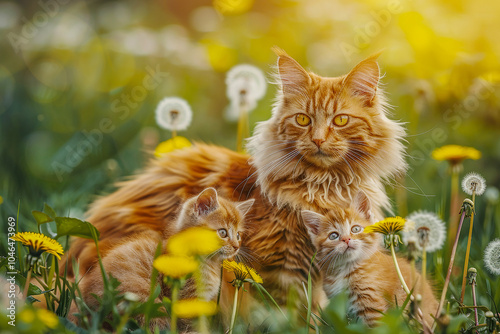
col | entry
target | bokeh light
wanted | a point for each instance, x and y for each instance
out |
(66, 69)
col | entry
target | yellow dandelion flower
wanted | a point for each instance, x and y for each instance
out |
(194, 241)
(175, 266)
(176, 143)
(38, 317)
(48, 318)
(27, 316)
(455, 154)
(389, 225)
(232, 7)
(193, 308)
(242, 271)
(38, 243)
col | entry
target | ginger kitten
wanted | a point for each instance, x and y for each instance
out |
(353, 260)
(131, 262)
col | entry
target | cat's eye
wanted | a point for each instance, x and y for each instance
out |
(341, 120)
(238, 236)
(356, 229)
(333, 236)
(303, 119)
(222, 232)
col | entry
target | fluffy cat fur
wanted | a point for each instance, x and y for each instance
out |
(131, 261)
(356, 261)
(291, 167)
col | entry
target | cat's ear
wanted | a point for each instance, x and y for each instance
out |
(244, 207)
(206, 202)
(363, 205)
(363, 79)
(293, 77)
(312, 220)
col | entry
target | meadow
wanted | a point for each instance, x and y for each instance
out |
(80, 84)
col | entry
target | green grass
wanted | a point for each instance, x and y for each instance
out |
(117, 312)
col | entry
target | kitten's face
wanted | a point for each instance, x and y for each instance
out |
(338, 236)
(331, 121)
(223, 216)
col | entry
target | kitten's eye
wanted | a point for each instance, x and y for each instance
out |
(356, 229)
(238, 236)
(341, 120)
(222, 232)
(333, 236)
(303, 119)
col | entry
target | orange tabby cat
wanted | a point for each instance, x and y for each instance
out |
(131, 261)
(327, 139)
(353, 260)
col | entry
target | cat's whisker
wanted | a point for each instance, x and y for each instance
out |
(350, 168)
(250, 254)
(379, 149)
(327, 258)
(245, 181)
(331, 267)
(422, 193)
(269, 168)
(286, 142)
(389, 181)
(295, 167)
(289, 157)
(356, 157)
(240, 257)
(246, 256)
(213, 254)
(361, 164)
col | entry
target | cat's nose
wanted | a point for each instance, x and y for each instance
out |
(318, 142)
(346, 240)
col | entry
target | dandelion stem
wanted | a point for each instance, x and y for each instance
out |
(413, 270)
(401, 278)
(174, 133)
(243, 131)
(450, 267)
(466, 264)
(454, 204)
(424, 265)
(27, 285)
(476, 318)
(405, 287)
(175, 296)
(235, 306)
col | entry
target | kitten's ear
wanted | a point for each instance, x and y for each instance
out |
(312, 220)
(245, 206)
(206, 202)
(363, 79)
(363, 205)
(293, 77)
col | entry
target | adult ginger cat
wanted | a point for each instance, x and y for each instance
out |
(131, 262)
(356, 261)
(327, 139)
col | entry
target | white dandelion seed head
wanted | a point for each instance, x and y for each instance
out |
(492, 257)
(411, 240)
(246, 84)
(491, 194)
(174, 114)
(409, 226)
(436, 234)
(473, 181)
(232, 111)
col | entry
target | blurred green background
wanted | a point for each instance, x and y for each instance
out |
(76, 114)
